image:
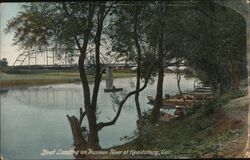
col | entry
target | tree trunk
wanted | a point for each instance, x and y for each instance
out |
(77, 133)
(158, 100)
(178, 76)
(83, 75)
(235, 78)
(90, 104)
(138, 71)
(93, 138)
(221, 87)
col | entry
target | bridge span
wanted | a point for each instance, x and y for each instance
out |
(62, 59)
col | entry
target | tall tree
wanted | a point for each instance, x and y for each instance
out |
(71, 24)
(130, 41)
(160, 55)
(217, 55)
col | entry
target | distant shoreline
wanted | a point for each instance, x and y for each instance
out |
(10, 81)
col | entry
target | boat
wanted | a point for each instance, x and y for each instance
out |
(112, 89)
(201, 95)
(203, 89)
(198, 96)
(167, 106)
(173, 102)
(3, 90)
(179, 102)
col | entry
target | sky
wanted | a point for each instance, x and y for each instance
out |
(7, 50)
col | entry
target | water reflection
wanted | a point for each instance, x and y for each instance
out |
(59, 97)
(34, 118)
(50, 97)
(3, 92)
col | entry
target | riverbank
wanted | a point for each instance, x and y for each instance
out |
(214, 130)
(9, 80)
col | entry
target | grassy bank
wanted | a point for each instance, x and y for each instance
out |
(13, 80)
(217, 129)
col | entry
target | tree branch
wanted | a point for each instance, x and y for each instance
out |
(103, 71)
(89, 22)
(197, 8)
(173, 63)
(100, 20)
(110, 7)
(77, 43)
(70, 15)
(82, 115)
(104, 124)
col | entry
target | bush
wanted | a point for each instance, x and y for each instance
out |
(3, 62)
(231, 95)
(213, 105)
(202, 123)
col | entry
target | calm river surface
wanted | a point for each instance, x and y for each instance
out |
(34, 118)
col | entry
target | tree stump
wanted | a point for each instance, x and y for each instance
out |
(77, 132)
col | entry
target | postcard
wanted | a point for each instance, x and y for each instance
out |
(125, 79)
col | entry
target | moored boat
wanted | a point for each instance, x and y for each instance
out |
(113, 90)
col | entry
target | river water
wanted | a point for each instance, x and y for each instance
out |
(33, 119)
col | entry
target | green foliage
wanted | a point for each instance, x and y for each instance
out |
(214, 105)
(202, 123)
(218, 44)
(145, 117)
(49, 24)
(212, 44)
(3, 62)
(184, 140)
(231, 95)
(193, 136)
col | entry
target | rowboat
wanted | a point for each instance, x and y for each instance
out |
(113, 90)
(173, 102)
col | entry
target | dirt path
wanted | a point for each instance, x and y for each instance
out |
(247, 148)
(234, 116)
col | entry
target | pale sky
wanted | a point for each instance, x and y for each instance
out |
(7, 50)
